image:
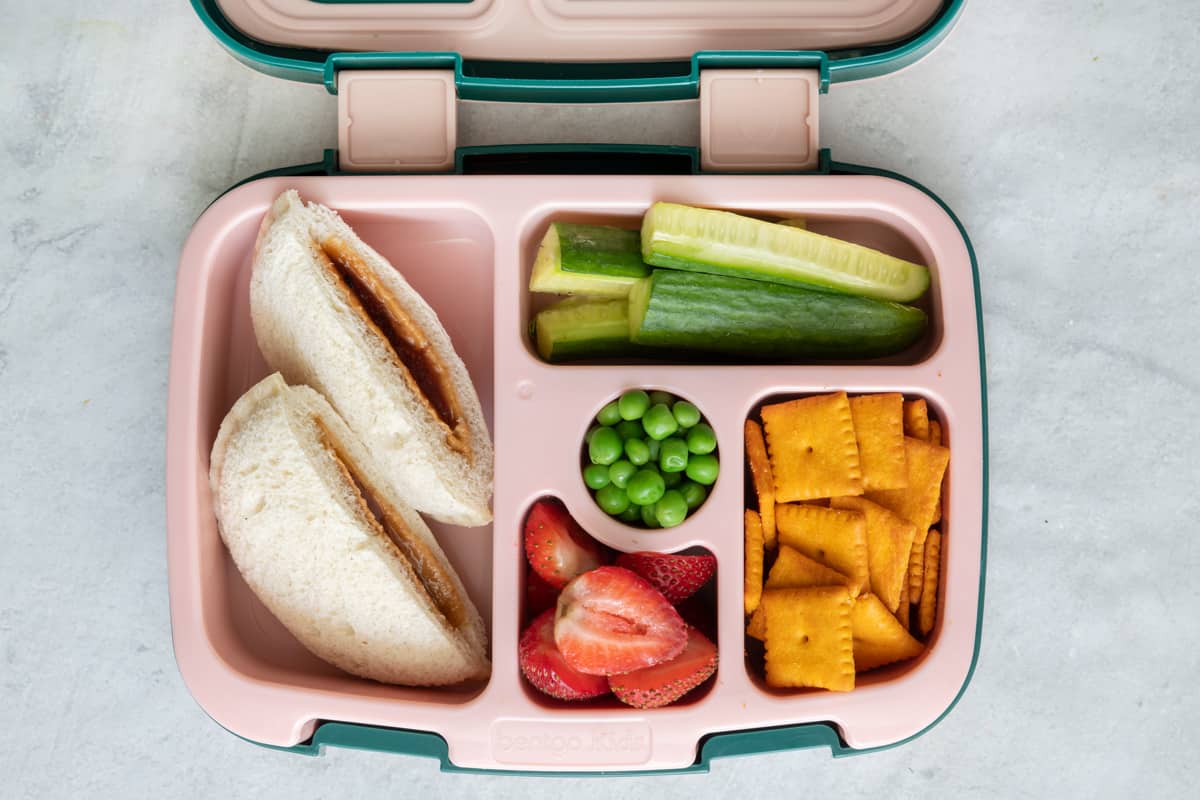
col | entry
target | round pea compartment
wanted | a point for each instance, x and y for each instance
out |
(660, 453)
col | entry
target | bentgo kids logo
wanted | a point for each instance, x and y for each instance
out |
(570, 742)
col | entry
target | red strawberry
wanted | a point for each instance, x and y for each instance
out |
(677, 577)
(667, 682)
(611, 621)
(557, 548)
(539, 595)
(545, 668)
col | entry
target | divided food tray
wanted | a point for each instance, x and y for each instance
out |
(466, 243)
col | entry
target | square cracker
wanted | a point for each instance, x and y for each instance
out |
(927, 611)
(812, 448)
(889, 542)
(904, 611)
(878, 638)
(809, 638)
(917, 503)
(793, 570)
(760, 475)
(916, 419)
(879, 429)
(835, 538)
(753, 576)
(935, 432)
(916, 569)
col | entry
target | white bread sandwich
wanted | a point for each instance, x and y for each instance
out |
(324, 542)
(331, 313)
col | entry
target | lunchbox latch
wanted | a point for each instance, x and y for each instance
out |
(396, 120)
(759, 120)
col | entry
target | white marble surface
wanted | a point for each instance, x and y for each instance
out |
(1066, 136)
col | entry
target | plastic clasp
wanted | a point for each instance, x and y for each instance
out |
(759, 120)
(397, 120)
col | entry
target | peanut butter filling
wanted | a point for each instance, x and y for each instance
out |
(411, 349)
(431, 575)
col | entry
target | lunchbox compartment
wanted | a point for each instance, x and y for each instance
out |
(891, 672)
(868, 226)
(466, 243)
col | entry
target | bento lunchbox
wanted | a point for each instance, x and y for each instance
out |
(465, 224)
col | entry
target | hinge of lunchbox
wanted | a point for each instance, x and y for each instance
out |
(397, 120)
(759, 120)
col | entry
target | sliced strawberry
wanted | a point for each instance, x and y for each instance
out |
(677, 577)
(539, 595)
(667, 682)
(557, 548)
(610, 621)
(545, 668)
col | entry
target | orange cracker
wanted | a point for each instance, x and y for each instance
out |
(889, 542)
(809, 638)
(916, 419)
(917, 503)
(760, 474)
(812, 448)
(878, 638)
(879, 429)
(793, 570)
(927, 611)
(903, 612)
(836, 538)
(916, 569)
(752, 582)
(935, 433)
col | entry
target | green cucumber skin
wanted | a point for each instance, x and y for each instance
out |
(758, 320)
(601, 250)
(577, 329)
(724, 243)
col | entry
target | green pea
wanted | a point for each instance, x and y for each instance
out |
(659, 422)
(612, 499)
(665, 398)
(609, 415)
(672, 479)
(604, 446)
(685, 413)
(673, 456)
(633, 404)
(631, 514)
(648, 517)
(630, 429)
(653, 445)
(703, 469)
(693, 494)
(671, 509)
(637, 451)
(587, 437)
(645, 487)
(620, 473)
(596, 476)
(701, 439)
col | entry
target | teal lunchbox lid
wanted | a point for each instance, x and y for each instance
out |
(575, 51)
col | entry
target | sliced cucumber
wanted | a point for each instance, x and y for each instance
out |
(578, 328)
(721, 243)
(758, 320)
(795, 222)
(595, 260)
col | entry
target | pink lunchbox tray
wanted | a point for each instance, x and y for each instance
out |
(467, 243)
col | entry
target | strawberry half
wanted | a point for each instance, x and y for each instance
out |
(544, 667)
(611, 621)
(539, 595)
(665, 683)
(557, 548)
(677, 577)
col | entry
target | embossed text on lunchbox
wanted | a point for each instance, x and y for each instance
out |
(563, 742)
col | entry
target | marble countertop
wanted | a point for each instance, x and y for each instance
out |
(1066, 138)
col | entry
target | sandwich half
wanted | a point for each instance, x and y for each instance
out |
(332, 551)
(331, 313)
